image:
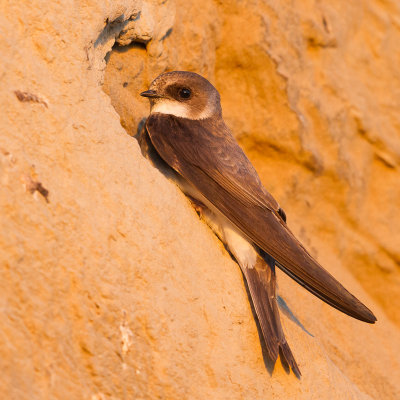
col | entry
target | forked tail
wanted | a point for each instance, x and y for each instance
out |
(261, 280)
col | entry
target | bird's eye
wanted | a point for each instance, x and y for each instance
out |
(185, 93)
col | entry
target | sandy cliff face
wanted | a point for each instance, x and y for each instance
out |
(111, 287)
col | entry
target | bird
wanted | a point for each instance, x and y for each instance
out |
(186, 133)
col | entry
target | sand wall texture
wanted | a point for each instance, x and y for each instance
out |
(111, 286)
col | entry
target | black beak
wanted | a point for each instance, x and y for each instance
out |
(150, 93)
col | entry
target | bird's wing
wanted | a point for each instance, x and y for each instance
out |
(205, 154)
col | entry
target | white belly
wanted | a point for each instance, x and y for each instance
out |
(236, 241)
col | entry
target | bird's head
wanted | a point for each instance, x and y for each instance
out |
(183, 94)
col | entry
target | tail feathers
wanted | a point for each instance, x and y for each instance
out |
(261, 280)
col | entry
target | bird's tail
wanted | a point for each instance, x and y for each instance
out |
(261, 280)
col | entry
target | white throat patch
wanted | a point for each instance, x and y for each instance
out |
(177, 109)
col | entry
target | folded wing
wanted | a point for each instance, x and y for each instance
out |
(205, 153)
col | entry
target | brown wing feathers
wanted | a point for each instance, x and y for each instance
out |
(206, 155)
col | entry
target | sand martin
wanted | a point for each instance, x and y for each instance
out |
(186, 129)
